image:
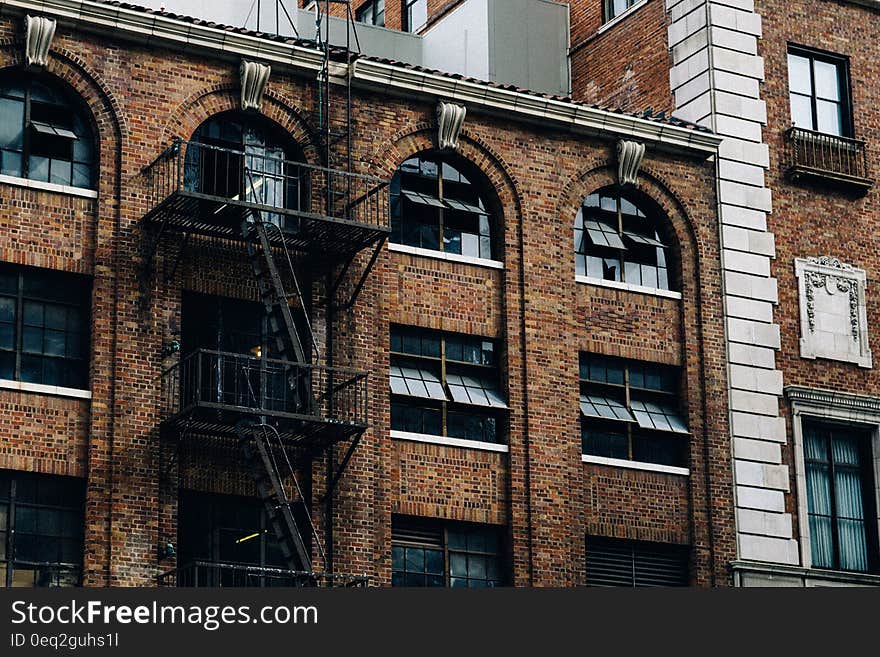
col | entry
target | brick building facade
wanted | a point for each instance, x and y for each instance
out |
(608, 442)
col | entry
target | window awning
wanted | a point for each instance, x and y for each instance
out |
(638, 238)
(660, 417)
(47, 129)
(423, 199)
(416, 382)
(606, 408)
(602, 234)
(475, 391)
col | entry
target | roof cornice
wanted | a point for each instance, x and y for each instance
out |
(395, 79)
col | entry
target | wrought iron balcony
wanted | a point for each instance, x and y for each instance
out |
(208, 392)
(207, 190)
(198, 574)
(832, 158)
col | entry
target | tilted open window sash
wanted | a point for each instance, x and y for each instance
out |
(475, 391)
(658, 417)
(52, 130)
(606, 408)
(416, 382)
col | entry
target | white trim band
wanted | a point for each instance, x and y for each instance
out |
(58, 391)
(47, 186)
(614, 21)
(449, 257)
(449, 442)
(616, 285)
(635, 465)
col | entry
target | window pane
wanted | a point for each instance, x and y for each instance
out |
(799, 74)
(11, 123)
(38, 168)
(829, 118)
(827, 81)
(801, 111)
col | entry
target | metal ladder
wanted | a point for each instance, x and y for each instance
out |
(256, 438)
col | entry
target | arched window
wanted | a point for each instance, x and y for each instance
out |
(245, 156)
(436, 206)
(44, 132)
(617, 240)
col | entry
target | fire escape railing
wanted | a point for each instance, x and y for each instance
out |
(285, 190)
(259, 386)
(197, 574)
(834, 158)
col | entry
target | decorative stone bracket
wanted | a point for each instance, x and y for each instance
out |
(629, 159)
(39, 32)
(450, 119)
(834, 319)
(254, 77)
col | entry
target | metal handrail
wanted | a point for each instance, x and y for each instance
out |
(834, 156)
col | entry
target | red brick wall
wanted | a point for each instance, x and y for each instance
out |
(811, 219)
(533, 306)
(627, 65)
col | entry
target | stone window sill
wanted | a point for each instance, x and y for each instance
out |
(449, 442)
(57, 391)
(48, 187)
(635, 465)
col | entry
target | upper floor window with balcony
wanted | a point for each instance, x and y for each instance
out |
(45, 133)
(435, 205)
(41, 529)
(372, 12)
(631, 410)
(617, 240)
(445, 384)
(44, 327)
(841, 497)
(415, 15)
(819, 92)
(245, 157)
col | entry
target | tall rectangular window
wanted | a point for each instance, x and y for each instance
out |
(372, 12)
(436, 553)
(44, 327)
(840, 497)
(415, 14)
(630, 410)
(41, 529)
(445, 384)
(818, 86)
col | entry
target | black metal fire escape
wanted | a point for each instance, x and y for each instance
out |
(336, 214)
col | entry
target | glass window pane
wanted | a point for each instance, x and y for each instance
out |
(829, 118)
(801, 111)
(38, 168)
(799, 74)
(827, 80)
(11, 123)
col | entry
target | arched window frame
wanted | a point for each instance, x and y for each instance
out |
(623, 239)
(46, 133)
(439, 203)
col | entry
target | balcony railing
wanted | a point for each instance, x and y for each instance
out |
(209, 190)
(209, 391)
(198, 574)
(830, 157)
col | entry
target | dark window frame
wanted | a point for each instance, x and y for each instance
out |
(491, 418)
(371, 7)
(445, 211)
(434, 535)
(841, 63)
(58, 134)
(82, 305)
(11, 499)
(626, 228)
(638, 439)
(407, 14)
(866, 472)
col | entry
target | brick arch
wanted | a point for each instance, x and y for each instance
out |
(602, 172)
(419, 137)
(185, 119)
(106, 114)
